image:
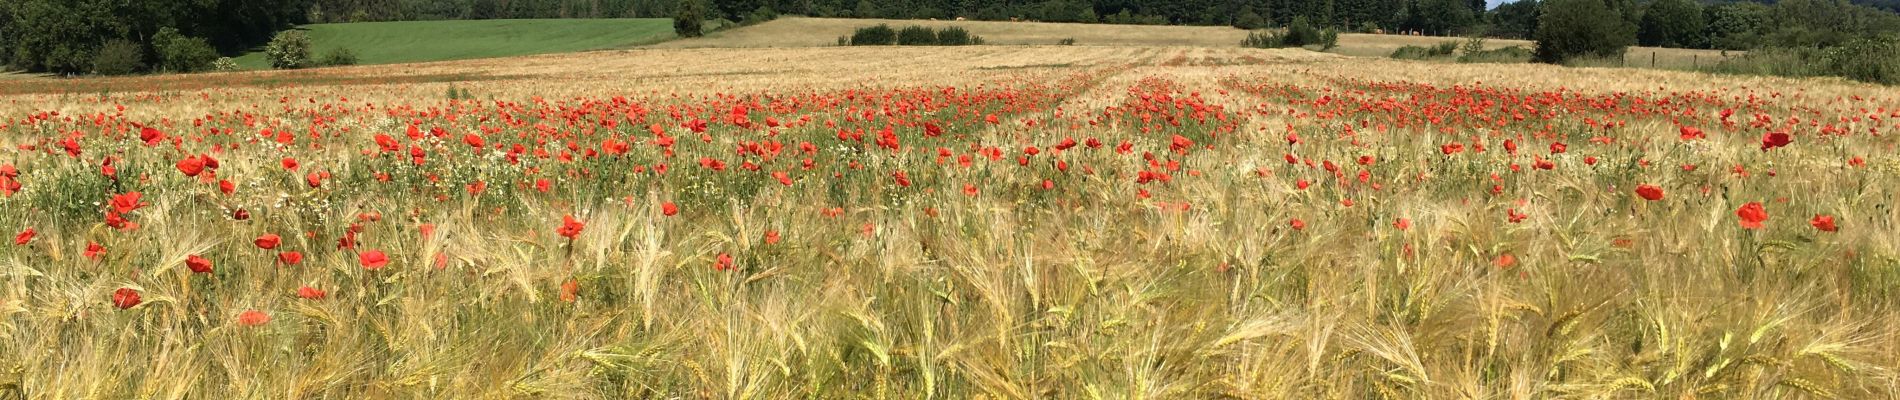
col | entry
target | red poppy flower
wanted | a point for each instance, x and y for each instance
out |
(191, 166)
(290, 258)
(1774, 139)
(128, 202)
(570, 227)
(198, 264)
(570, 290)
(1690, 133)
(669, 209)
(253, 318)
(724, 263)
(268, 241)
(1823, 222)
(310, 293)
(771, 237)
(902, 179)
(1649, 192)
(1505, 260)
(1751, 215)
(373, 259)
(474, 141)
(1297, 224)
(150, 136)
(125, 298)
(24, 237)
(94, 250)
(1402, 224)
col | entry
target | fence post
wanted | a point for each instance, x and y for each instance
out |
(1652, 59)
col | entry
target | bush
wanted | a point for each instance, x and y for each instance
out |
(1300, 33)
(180, 53)
(917, 36)
(879, 35)
(1512, 54)
(763, 14)
(1581, 28)
(954, 36)
(1875, 60)
(118, 57)
(689, 21)
(224, 64)
(289, 50)
(1263, 40)
(1066, 42)
(1420, 53)
(1473, 45)
(339, 57)
(1328, 39)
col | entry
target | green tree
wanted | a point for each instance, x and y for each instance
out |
(689, 20)
(1516, 20)
(1672, 23)
(1738, 26)
(1250, 20)
(1571, 29)
(180, 53)
(289, 50)
(118, 57)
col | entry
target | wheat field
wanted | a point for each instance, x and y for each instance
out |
(819, 32)
(998, 222)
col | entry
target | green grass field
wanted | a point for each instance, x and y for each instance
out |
(420, 41)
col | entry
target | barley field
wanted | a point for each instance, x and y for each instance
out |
(819, 32)
(981, 222)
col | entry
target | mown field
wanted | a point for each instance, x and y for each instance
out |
(969, 222)
(814, 32)
(422, 41)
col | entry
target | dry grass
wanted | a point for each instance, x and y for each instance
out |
(819, 32)
(1082, 291)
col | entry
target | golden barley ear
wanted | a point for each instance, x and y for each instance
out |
(1804, 385)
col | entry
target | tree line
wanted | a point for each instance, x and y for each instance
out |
(79, 36)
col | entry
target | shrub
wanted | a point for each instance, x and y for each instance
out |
(1443, 49)
(1512, 54)
(1263, 40)
(1473, 45)
(874, 36)
(289, 50)
(339, 57)
(1581, 28)
(763, 14)
(1875, 60)
(180, 53)
(1066, 42)
(118, 57)
(917, 36)
(224, 64)
(689, 20)
(954, 36)
(1301, 32)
